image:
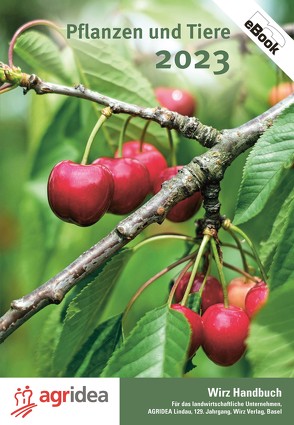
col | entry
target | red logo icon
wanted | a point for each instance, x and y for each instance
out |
(23, 402)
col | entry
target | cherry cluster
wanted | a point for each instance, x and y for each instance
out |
(83, 193)
(221, 330)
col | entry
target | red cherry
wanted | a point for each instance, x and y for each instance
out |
(79, 194)
(131, 183)
(176, 100)
(225, 331)
(153, 160)
(184, 209)
(212, 292)
(195, 322)
(279, 92)
(256, 298)
(237, 291)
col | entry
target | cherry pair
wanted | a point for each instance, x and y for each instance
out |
(81, 194)
(226, 329)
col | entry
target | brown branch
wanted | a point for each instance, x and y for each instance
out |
(189, 127)
(200, 172)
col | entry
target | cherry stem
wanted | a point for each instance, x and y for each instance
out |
(7, 87)
(172, 148)
(153, 279)
(255, 253)
(25, 27)
(205, 277)
(142, 138)
(122, 136)
(236, 269)
(175, 285)
(163, 236)
(220, 271)
(201, 250)
(105, 114)
(239, 246)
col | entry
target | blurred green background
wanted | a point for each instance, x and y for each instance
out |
(34, 245)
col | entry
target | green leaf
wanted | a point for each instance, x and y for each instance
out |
(282, 269)
(85, 310)
(60, 141)
(47, 342)
(268, 161)
(38, 242)
(283, 203)
(103, 69)
(165, 13)
(40, 52)
(271, 339)
(156, 347)
(91, 359)
(253, 90)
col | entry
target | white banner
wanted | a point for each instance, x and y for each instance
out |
(263, 30)
(48, 401)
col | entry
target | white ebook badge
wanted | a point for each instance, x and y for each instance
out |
(263, 30)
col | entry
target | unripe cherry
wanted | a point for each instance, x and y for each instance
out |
(238, 289)
(280, 92)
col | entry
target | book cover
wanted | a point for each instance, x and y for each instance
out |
(147, 211)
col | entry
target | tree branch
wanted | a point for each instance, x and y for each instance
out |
(189, 127)
(202, 171)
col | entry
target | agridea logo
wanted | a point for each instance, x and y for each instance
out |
(267, 34)
(55, 398)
